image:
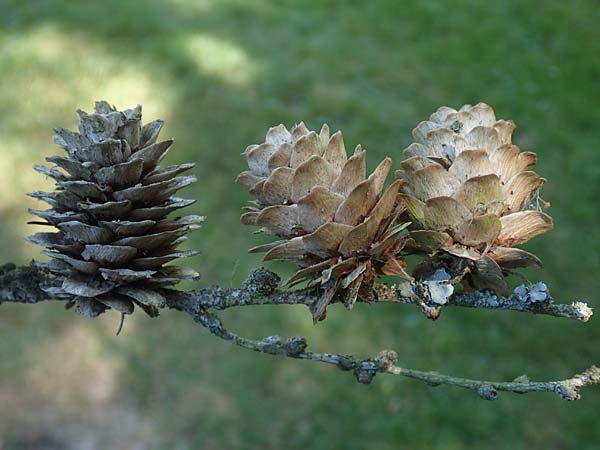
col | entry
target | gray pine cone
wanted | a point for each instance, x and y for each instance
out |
(110, 207)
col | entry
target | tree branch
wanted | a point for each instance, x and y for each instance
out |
(489, 300)
(24, 285)
(365, 369)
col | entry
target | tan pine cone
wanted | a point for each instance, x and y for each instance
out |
(110, 207)
(472, 194)
(333, 221)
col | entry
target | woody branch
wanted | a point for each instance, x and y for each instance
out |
(24, 285)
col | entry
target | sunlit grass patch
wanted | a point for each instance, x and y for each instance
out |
(52, 72)
(215, 57)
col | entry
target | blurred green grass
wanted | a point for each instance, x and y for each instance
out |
(222, 72)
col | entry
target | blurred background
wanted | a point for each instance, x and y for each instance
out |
(220, 72)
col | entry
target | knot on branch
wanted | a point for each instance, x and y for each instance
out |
(293, 347)
(569, 389)
(261, 282)
(270, 344)
(365, 369)
(487, 392)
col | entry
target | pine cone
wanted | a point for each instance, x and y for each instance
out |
(334, 222)
(110, 207)
(470, 193)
